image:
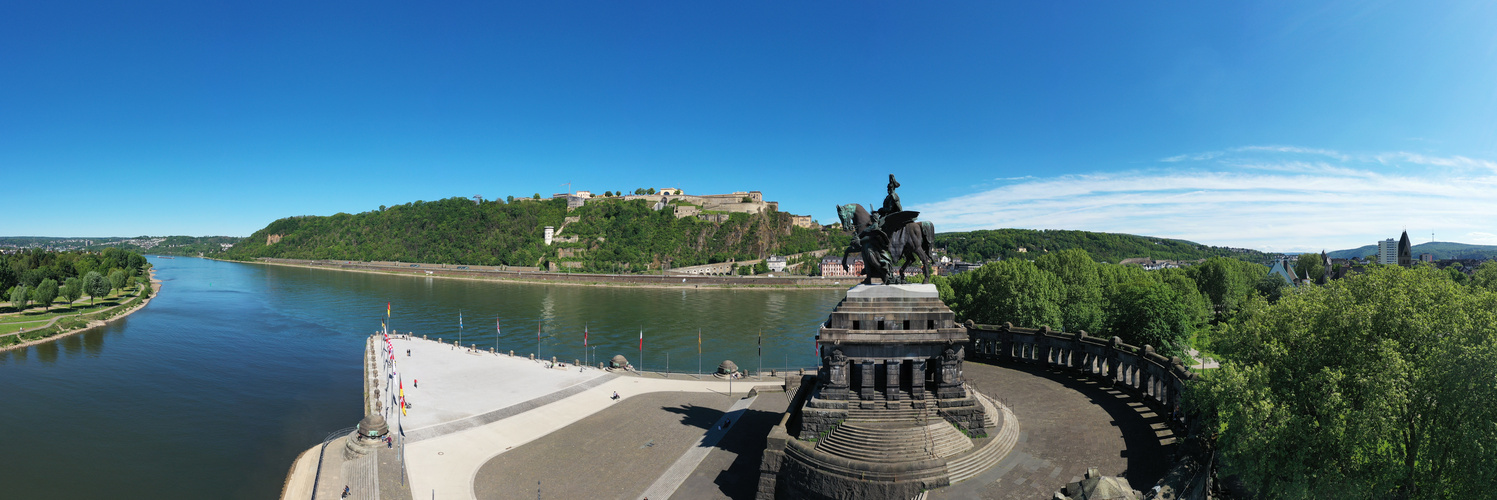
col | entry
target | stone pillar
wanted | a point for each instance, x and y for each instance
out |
(950, 383)
(865, 372)
(891, 379)
(917, 380)
(837, 376)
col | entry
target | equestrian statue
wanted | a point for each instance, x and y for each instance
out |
(887, 236)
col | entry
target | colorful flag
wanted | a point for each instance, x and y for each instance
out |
(641, 339)
(387, 309)
(761, 342)
(699, 340)
(498, 330)
(584, 335)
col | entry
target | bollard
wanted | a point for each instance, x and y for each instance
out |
(532, 356)
(511, 353)
(574, 361)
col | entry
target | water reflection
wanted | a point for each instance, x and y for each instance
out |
(46, 352)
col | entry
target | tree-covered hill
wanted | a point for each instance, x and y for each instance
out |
(1439, 249)
(987, 244)
(611, 235)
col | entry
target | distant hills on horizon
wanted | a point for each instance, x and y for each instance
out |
(156, 245)
(1439, 249)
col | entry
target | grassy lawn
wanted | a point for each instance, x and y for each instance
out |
(35, 316)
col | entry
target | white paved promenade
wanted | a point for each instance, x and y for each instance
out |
(451, 387)
(469, 408)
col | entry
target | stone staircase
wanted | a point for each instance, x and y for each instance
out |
(905, 413)
(997, 445)
(894, 435)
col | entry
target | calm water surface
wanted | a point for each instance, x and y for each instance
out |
(212, 389)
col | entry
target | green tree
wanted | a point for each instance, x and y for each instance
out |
(1485, 276)
(95, 285)
(1456, 275)
(1374, 386)
(19, 297)
(1309, 265)
(1226, 282)
(72, 289)
(1148, 312)
(1271, 286)
(650, 191)
(1012, 291)
(1082, 304)
(536, 196)
(46, 293)
(118, 279)
(144, 282)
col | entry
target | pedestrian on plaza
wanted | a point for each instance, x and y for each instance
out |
(415, 382)
(407, 353)
(345, 491)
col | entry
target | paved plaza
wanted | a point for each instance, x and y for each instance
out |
(1068, 423)
(471, 407)
(451, 388)
(491, 426)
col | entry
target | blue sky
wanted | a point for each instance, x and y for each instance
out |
(1290, 126)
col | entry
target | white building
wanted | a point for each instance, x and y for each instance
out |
(1387, 252)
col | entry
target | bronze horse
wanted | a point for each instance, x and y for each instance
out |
(906, 241)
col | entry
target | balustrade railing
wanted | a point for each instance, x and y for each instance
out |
(1137, 369)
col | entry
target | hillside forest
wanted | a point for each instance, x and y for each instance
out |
(991, 244)
(605, 235)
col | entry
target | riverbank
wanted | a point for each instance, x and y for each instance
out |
(96, 319)
(509, 274)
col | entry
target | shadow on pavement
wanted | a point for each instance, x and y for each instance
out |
(696, 416)
(747, 440)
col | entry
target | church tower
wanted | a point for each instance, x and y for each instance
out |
(1405, 251)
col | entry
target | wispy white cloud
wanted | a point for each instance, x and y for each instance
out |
(1265, 197)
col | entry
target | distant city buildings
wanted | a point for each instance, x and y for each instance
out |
(1387, 252)
(831, 266)
(1390, 252)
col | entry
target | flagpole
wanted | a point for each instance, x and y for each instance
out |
(699, 352)
(641, 347)
(459, 327)
(761, 352)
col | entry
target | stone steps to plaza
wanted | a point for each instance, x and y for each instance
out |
(875, 442)
(904, 413)
(998, 445)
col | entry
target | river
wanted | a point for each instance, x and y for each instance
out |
(233, 369)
